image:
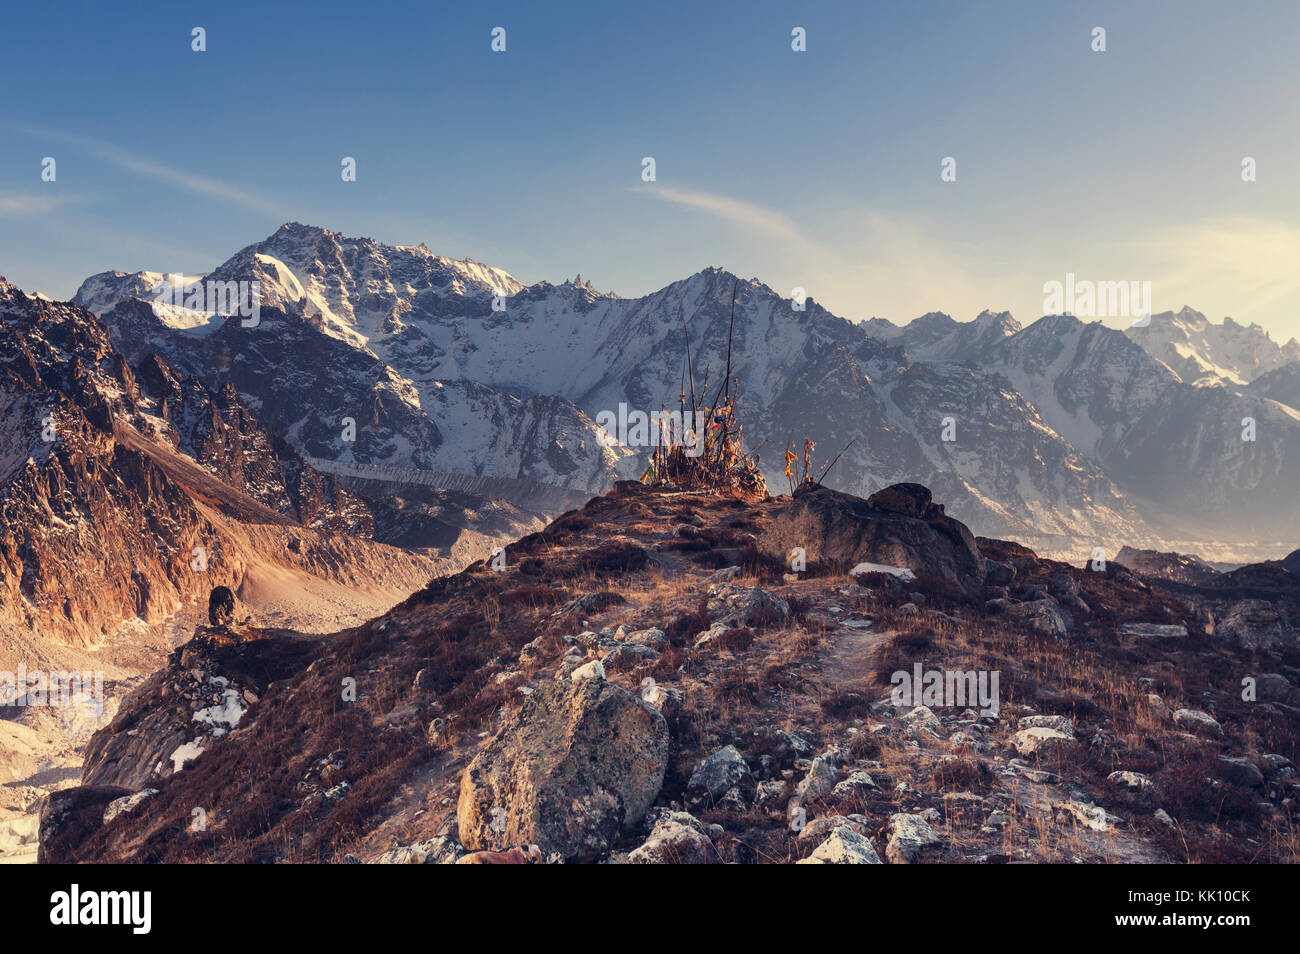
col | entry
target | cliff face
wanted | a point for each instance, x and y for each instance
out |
(133, 488)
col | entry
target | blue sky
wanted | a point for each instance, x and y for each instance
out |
(816, 169)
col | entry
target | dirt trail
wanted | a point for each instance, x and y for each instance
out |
(849, 660)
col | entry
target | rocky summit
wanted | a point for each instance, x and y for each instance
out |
(681, 677)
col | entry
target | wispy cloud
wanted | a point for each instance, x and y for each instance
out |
(153, 169)
(13, 205)
(748, 215)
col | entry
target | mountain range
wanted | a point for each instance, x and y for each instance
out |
(1065, 434)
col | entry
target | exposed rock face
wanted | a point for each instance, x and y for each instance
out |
(69, 815)
(899, 526)
(198, 697)
(577, 764)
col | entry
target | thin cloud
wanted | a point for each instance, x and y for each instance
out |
(736, 211)
(150, 168)
(13, 205)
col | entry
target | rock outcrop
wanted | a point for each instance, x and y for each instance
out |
(899, 526)
(577, 765)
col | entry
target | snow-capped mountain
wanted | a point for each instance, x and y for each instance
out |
(1060, 433)
(1198, 351)
(344, 358)
(938, 337)
(1215, 459)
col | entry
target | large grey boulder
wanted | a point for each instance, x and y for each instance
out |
(575, 766)
(1257, 624)
(898, 526)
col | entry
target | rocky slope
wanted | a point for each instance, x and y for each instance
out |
(650, 680)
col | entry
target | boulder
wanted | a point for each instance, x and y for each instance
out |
(854, 788)
(221, 606)
(911, 839)
(1198, 722)
(746, 606)
(815, 831)
(69, 816)
(127, 804)
(1155, 630)
(1240, 771)
(844, 846)
(898, 526)
(656, 639)
(629, 656)
(677, 838)
(591, 670)
(1060, 723)
(1039, 742)
(1257, 624)
(820, 780)
(720, 773)
(577, 764)
(1041, 616)
(910, 500)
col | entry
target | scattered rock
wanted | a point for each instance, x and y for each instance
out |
(746, 606)
(1198, 722)
(844, 846)
(628, 657)
(1240, 771)
(592, 670)
(1039, 742)
(125, 805)
(677, 838)
(911, 839)
(1042, 616)
(718, 774)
